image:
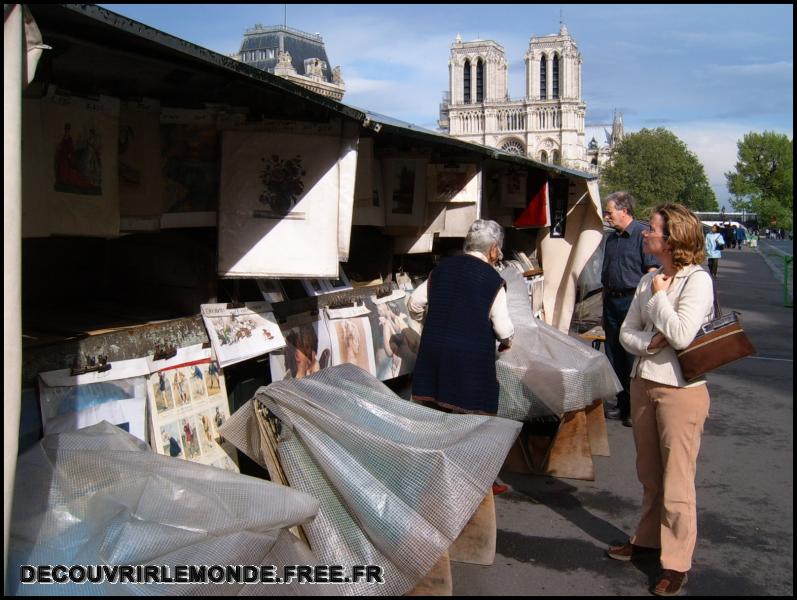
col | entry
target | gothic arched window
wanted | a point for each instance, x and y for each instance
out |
(466, 78)
(556, 157)
(543, 77)
(555, 77)
(479, 81)
(543, 156)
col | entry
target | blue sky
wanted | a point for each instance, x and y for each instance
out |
(710, 73)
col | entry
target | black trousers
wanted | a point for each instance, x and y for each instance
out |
(614, 312)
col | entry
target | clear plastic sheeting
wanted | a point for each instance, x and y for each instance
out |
(99, 496)
(546, 372)
(397, 481)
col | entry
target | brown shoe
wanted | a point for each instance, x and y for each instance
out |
(671, 583)
(627, 551)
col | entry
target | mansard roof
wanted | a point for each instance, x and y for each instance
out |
(299, 44)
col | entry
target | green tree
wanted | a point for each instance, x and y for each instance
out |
(762, 181)
(656, 167)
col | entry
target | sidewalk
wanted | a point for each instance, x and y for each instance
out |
(552, 533)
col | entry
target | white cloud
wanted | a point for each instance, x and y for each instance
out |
(781, 68)
(714, 144)
(360, 85)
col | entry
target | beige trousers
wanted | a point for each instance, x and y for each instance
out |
(668, 422)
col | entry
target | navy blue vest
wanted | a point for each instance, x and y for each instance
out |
(456, 360)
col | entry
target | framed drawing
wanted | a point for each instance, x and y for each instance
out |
(190, 167)
(369, 208)
(405, 191)
(513, 189)
(452, 183)
(140, 177)
(280, 199)
(308, 349)
(81, 179)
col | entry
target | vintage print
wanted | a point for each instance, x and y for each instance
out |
(308, 350)
(453, 183)
(395, 341)
(187, 427)
(139, 168)
(282, 199)
(405, 191)
(513, 190)
(79, 169)
(353, 343)
(170, 441)
(190, 160)
(238, 334)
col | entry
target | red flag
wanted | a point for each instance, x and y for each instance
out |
(536, 213)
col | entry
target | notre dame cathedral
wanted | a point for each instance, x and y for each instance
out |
(548, 124)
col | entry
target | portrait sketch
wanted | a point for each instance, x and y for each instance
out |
(308, 350)
(395, 342)
(354, 343)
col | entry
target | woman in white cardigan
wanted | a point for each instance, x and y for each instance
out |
(669, 307)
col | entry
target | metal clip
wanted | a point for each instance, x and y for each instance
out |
(164, 351)
(97, 364)
(383, 291)
(342, 303)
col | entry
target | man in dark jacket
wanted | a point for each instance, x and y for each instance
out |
(624, 264)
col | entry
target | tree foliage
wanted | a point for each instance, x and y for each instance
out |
(657, 167)
(762, 181)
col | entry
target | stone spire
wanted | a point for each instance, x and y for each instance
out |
(617, 128)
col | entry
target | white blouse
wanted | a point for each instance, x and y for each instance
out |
(678, 314)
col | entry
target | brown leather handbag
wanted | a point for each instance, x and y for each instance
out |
(718, 343)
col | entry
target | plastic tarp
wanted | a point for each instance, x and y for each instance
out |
(99, 496)
(396, 481)
(546, 372)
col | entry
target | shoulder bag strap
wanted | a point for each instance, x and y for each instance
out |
(717, 311)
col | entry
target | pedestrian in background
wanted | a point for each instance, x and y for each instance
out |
(727, 235)
(714, 245)
(741, 237)
(668, 412)
(624, 263)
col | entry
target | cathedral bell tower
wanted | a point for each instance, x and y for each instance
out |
(547, 124)
(553, 89)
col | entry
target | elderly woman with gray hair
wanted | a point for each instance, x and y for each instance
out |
(466, 312)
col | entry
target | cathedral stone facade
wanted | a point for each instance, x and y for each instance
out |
(548, 124)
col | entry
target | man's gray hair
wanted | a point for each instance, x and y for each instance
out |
(482, 235)
(622, 200)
